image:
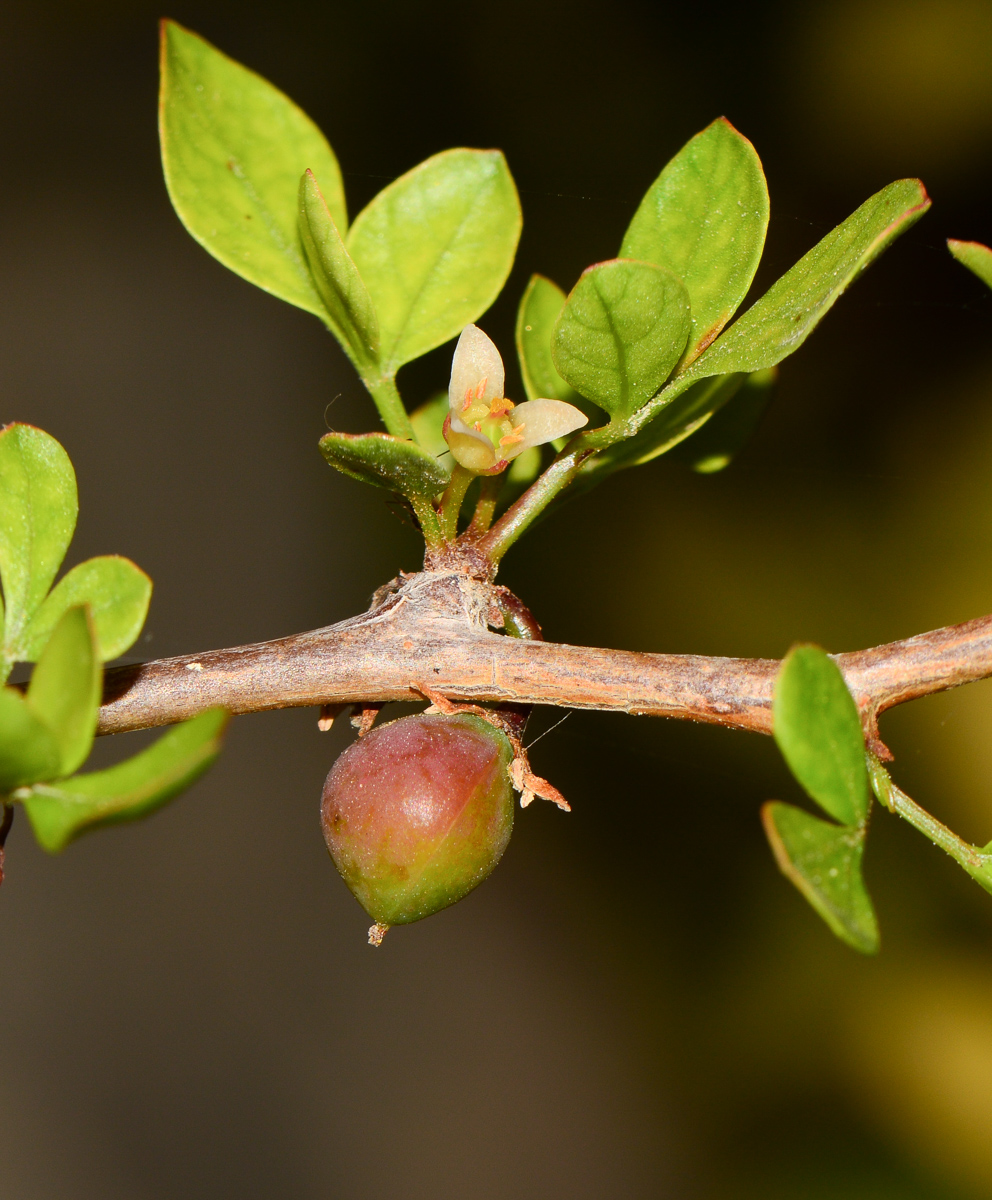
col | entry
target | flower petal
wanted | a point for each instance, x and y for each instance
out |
(542, 421)
(469, 448)
(476, 362)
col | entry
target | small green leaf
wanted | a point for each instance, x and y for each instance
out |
(233, 149)
(58, 813)
(975, 257)
(778, 324)
(64, 692)
(621, 332)
(350, 314)
(385, 461)
(118, 594)
(434, 249)
(728, 430)
(704, 219)
(540, 308)
(817, 728)
(28, 749)
(824, 862)
(38, 508)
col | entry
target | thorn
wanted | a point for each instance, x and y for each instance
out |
(329, 713)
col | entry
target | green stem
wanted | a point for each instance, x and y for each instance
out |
(485, 506)
(521, 515)
(430, 526)
(451, 501)
(525, 511)
(977, 862)
(390, 405)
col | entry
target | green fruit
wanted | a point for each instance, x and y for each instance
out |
(418, 812)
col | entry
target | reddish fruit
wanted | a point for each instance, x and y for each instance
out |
(418, 812)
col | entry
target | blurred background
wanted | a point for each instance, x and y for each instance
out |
(636, 1005)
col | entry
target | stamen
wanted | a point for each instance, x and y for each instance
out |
(516, 436)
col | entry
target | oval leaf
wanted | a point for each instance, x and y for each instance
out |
(385, 461)
(38, 508)
(975, 257)
(28, 749)
(817, 728)
(435, 248)
(64, 692)
(778, 324)
(130, 789)
(621, 332)
(233, 150)
(824, 862)
(540, 308)
(118, 594)
(704, 219)
(350, 313)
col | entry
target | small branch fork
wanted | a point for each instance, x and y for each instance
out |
(437, 628)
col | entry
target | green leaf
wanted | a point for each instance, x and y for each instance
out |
(817, 728)
(824, 862)
(385, 461)
(704, 219)
(233, 149)
(118, 594)
(540, 308)
(975, 257)
(28, 749)
(620, 333)
(38, 507)
(350, 314)
(785, 316)
(730, 428)
(64, 692)
(58, 813)
(435, 248)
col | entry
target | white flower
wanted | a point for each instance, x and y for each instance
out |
(485, 430)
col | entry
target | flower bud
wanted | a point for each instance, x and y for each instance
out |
(418, 812)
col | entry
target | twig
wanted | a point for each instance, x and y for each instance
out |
(433, 626)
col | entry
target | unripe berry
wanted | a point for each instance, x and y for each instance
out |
(418, 812)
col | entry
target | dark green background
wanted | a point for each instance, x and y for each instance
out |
(636, 1005)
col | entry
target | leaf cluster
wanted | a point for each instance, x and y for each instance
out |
(645, 343)
(818, 730)
(94, 613)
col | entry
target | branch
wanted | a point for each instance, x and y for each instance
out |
(436, 628)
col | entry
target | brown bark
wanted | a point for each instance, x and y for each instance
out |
(436, 628)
